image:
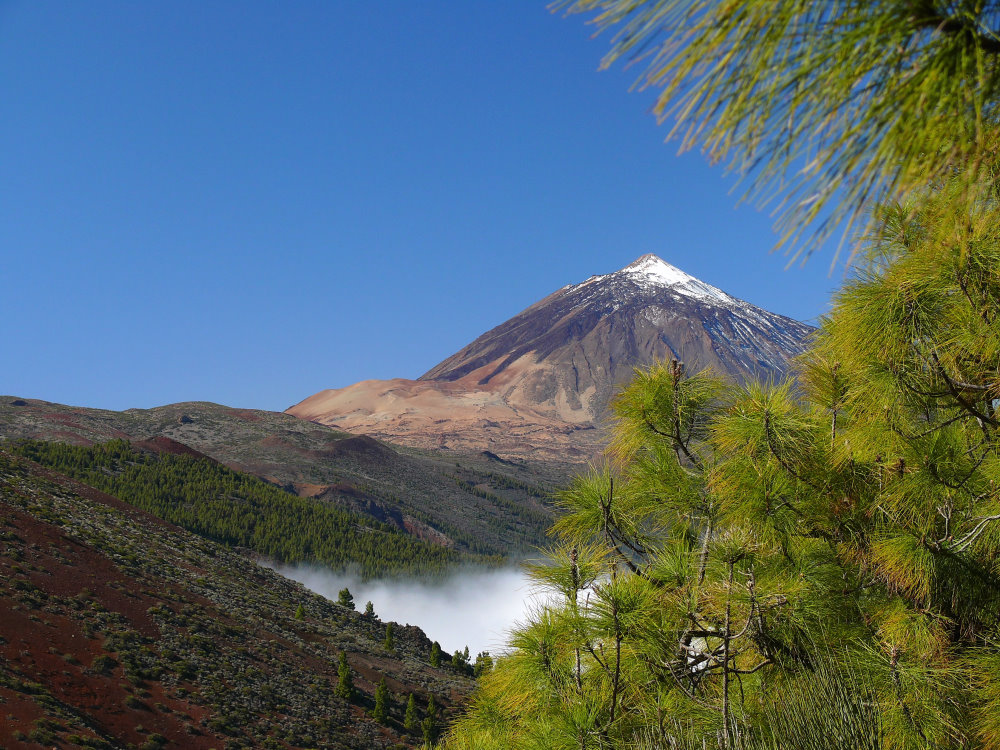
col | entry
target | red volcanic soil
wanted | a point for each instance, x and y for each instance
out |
(71, 421)
(57, 650)
(72, 438)
(163, 444)
(248, 415)
(118, 629)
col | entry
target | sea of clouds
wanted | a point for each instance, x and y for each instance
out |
(475, 608)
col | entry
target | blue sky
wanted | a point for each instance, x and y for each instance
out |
(247, 202)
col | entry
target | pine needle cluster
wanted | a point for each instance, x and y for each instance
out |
(828, 108)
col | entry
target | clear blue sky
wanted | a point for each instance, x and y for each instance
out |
(246, 202)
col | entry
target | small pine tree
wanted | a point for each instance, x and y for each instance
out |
(410, 719)
(300, 613)
(429, 724)
(435, 654)
(345, 683)
(345, 598)
(484, 663)
(370, 610)
(389, 643)
(381, 710)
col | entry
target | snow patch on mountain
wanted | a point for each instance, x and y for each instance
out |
(651, 272)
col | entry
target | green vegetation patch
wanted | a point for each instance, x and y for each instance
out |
(236, 509)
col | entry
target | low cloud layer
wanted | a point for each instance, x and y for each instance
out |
(472, 608)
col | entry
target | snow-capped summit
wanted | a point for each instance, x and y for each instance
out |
(541, 380)
(653, 270)
(602, 328)
(568, 353)
(651, 274)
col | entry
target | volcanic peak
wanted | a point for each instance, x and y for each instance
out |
(540, 382)
(651, 272)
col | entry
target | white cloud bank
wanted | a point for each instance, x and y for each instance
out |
(472, 608)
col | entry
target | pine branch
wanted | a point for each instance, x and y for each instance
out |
(953, 389)
(963, 544)
(953, 26)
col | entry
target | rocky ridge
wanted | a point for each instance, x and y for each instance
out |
(473, 503)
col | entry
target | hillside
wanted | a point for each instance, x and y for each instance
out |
(119, 629)
(477, 503)
(538, 385)
(241, 511)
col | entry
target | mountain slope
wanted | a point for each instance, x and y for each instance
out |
(571, 348)
(470, 503)
(119, 629)
(540, 383)
(241, 511)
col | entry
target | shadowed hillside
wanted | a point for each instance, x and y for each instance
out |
(121, 629)
(241, 511)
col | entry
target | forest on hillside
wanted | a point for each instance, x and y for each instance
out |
(203, 496)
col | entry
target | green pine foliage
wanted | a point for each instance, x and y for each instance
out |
(389, 643)
(808, 565)
(459, 659)
(381, 711)
(239, 510)
(460, 662)
(827, 108)
(345, 598)
(345, 682)
(410, 719)
(483, 665)
(429, 725)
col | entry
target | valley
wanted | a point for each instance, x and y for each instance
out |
(478, 503)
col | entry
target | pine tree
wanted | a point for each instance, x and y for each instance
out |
(389, 644)
(345, 598)
(300, 613)
(742, 536)
(429, 724)
(345, 683)
(410, 719)
(381, 710)
(435, 654)
(370, 610)
(484, 663)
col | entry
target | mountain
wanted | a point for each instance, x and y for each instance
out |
(122, 630)
(539, 384)
(473, 504)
